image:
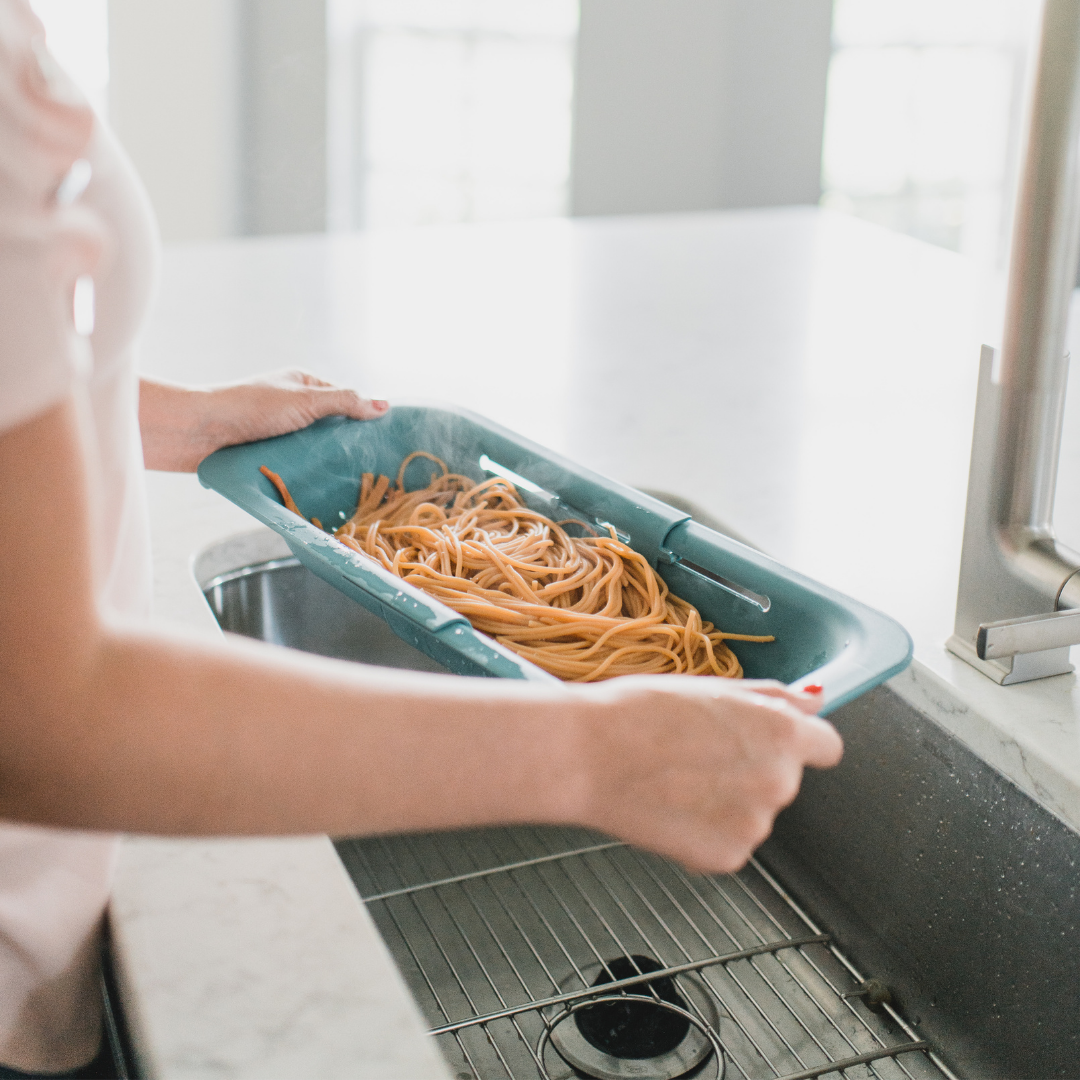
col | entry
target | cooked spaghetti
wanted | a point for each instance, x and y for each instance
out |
(583, 609)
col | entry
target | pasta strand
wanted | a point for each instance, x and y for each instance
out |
(583, 609)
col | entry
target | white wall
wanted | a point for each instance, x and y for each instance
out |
(222, 106)
(284, 60)
(698, 104)
(680, 105)
(173, 100)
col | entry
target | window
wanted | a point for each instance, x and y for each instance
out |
(923, 117)
(449, 110)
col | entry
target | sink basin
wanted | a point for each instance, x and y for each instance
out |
(914, 915)
(282, 602)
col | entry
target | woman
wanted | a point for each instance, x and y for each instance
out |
(107, 724)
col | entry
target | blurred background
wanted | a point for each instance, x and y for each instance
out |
(282, 116)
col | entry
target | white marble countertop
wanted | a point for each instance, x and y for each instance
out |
(806, 378)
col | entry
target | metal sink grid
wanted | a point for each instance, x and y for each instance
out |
(500, 934)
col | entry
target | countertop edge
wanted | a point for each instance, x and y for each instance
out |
(256, 958)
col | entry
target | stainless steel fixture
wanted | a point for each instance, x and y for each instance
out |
(550, 953)
(281, 602)
(502, 933)
(1013, 568)
(923, 866)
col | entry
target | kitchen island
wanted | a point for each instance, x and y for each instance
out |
(805, 378)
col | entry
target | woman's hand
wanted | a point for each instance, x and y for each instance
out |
(697, 768)
(182, 425)
(136, 729)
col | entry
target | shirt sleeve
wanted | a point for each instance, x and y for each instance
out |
(40, 353)
(44, 128)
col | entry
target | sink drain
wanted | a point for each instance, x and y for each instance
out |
(660, 1030)
(634, 1029)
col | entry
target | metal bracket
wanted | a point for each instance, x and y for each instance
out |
(874, 992)
(1023, 667)
(1019, 650)
(1029, 634)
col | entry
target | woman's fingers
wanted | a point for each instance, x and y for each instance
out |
(301, 377)
(813, 741)
(809, 699)
(330, 401)
(323, 398)
(822, 747)
(270, 405)
(699, 768)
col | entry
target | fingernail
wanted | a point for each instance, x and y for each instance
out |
(382, 406)
(813, 688)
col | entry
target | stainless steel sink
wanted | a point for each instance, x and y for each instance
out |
(890, 950)
(282, 602)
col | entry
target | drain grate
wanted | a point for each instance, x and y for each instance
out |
(501, 934)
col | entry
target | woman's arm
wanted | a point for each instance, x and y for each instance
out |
(118, 727)
(181, 425)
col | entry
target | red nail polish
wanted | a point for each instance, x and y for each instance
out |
(813, 688)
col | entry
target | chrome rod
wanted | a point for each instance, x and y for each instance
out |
(731, 1009)
(833, 988)
(527, 895)
(485, 873)
(597, 953)
(493, 935)
(1012, 565)
(784, 960)
(639, 929)
(509, 913)
(435, 997)
(597, 914)
(673, 900)
(555, 937)
(786, 1005)
(496, 952)
(1045, 254)
(773, 920)
(862, 1059)
(448, 961)
(732, 1058)
(478, 960)
(810, 996)
(855, 973)
(632, 980)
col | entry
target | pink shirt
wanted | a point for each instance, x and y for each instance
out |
(54, 884)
